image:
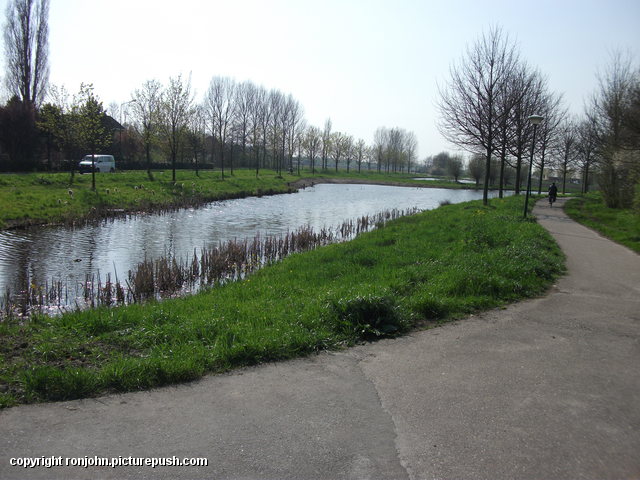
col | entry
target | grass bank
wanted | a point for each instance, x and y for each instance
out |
(50, 197)
(620, 225)
(417, 271)
(38, 198)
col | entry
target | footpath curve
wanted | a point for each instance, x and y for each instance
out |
(544, 389)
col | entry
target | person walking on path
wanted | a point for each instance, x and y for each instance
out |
(553, 193)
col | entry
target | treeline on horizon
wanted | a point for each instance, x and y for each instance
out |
(234, 125)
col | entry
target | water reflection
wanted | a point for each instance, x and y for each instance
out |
(46, 254)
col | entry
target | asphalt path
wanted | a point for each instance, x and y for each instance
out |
(547, 388)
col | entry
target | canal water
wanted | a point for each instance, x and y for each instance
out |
(44, 255)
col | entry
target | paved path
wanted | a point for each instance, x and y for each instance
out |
(544, 389)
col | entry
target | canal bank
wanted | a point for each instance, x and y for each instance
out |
(73, 264)
(58, 198)
(416, 271)
(542, 389)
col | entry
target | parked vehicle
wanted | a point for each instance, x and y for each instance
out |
(101, 163)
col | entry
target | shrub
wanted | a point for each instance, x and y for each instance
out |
(368, 316)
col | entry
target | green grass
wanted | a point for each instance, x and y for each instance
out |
(620, 225)
(46, 198)
(414, 273)
(38, 198)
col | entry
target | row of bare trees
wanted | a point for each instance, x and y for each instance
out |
(233, 124)
(486, 103)
(243, 124)
(491, 93)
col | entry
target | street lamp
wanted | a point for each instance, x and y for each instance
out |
(535, 120)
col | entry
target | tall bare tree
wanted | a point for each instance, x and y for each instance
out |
(547, 135)
(257, 114)
(455, 167)
(339, 144)
(616, 139)
(476, 168)
(145, 106)
(360, 152)
(275, 128)
(469, 104)
(380, 142)
(219, 103)
(176, 108)
(312, 142)
(567, 149)
(326, 143)
(26, 45)
(533, 87)
(196, 135)
(586, 151)
(295, 123)
(266, 113)
(349, 150)
(244, 105)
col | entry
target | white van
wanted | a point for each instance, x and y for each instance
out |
(102, 163)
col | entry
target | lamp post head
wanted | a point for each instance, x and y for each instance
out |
(535, 119)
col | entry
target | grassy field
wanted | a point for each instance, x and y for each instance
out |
(620, 225)
(41, 198)
(51, 198)
(416, 272)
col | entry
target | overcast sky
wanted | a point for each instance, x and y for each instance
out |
(362, 63)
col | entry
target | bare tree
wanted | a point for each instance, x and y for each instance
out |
(145, 107)
(380, 143)
(339, 144)
(394, 150)
(547, 135)
(219, 103)
(349, 151)
(567, 149)
(312, 143)
(476, 168)
(533, 87)
(512, 93)
(469, 105)
(360, 152)
(586, 151)
(257, 120)
(411, 149)
(294, 123)
(326, 143)
(26, 45)
(196, 135)
(369, 156)
(455, 167)
(175, 110)
(266, 114)
(275, 133)
(244, 106)
(608, 113)
(301, 131)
